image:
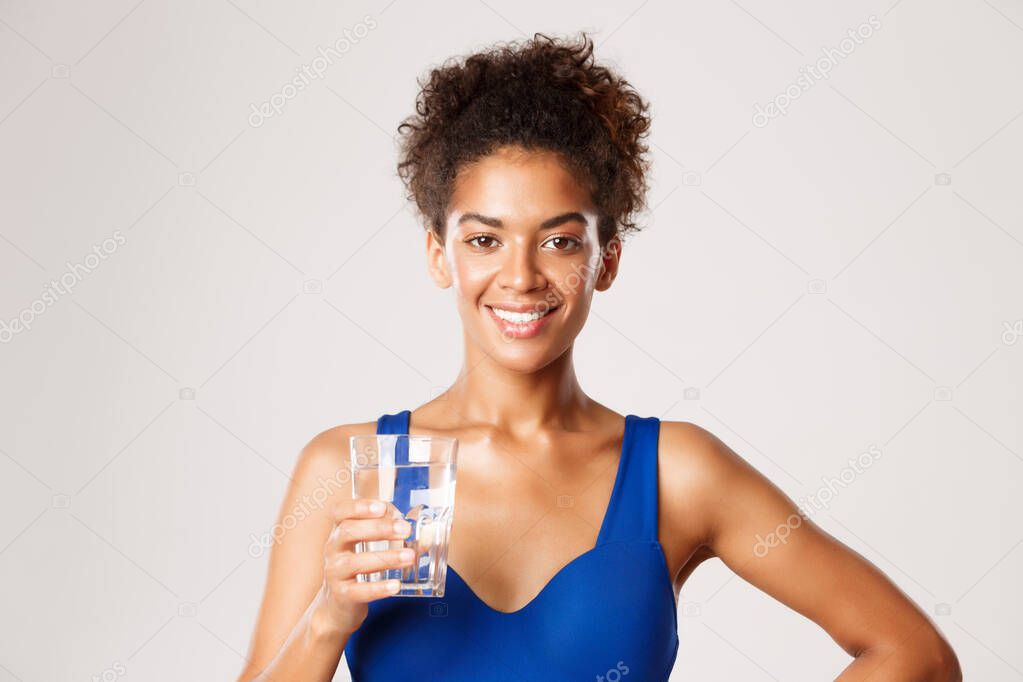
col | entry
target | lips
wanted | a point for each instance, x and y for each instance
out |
(522, 307)
(521, 330)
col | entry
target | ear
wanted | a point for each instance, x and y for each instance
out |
(610, 258)
(436, 261)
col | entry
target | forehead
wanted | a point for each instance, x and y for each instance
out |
(512, 180)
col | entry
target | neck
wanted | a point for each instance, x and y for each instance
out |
(517, 401)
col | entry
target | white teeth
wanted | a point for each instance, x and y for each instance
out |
(518, 318)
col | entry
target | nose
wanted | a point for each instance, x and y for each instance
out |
(520, 271)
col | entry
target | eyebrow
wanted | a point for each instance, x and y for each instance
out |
(545, 225)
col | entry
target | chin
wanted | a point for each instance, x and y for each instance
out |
(523, 363)
(526, 357)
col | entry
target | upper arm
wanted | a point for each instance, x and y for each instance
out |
(760, 534)
(321, 479)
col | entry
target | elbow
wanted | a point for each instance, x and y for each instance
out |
(933, 661)
(950, 668)
(249, 675)
(943, 663)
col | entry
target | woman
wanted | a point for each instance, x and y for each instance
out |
(575, 527)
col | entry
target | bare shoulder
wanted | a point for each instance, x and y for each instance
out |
(327, 452)
(320, 478)
(701, 476)
(698, 454)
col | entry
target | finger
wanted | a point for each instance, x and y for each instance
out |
(359, 508)
(392, 511)
(348, 564)
(349, 531)
(353, 591)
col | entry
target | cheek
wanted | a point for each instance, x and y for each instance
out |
(578, 277)
(469, 277)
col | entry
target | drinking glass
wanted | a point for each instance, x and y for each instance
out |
(415, 476)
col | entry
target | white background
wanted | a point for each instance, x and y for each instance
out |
(846, 276)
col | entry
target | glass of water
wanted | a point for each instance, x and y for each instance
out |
(415, 475)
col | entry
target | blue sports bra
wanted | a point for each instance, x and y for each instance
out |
(608, 614)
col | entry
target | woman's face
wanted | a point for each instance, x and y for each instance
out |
(521, 251)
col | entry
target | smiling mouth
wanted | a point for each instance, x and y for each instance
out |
(521, 318)
(514, 325)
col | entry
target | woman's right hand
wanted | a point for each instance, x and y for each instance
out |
(344, 600)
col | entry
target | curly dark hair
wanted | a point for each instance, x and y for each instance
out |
(543, 94)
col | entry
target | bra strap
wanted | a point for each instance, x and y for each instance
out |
(410, 481)
(394, 423)
(634, 504)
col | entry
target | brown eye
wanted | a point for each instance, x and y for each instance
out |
(567, 243)
(474, 241)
